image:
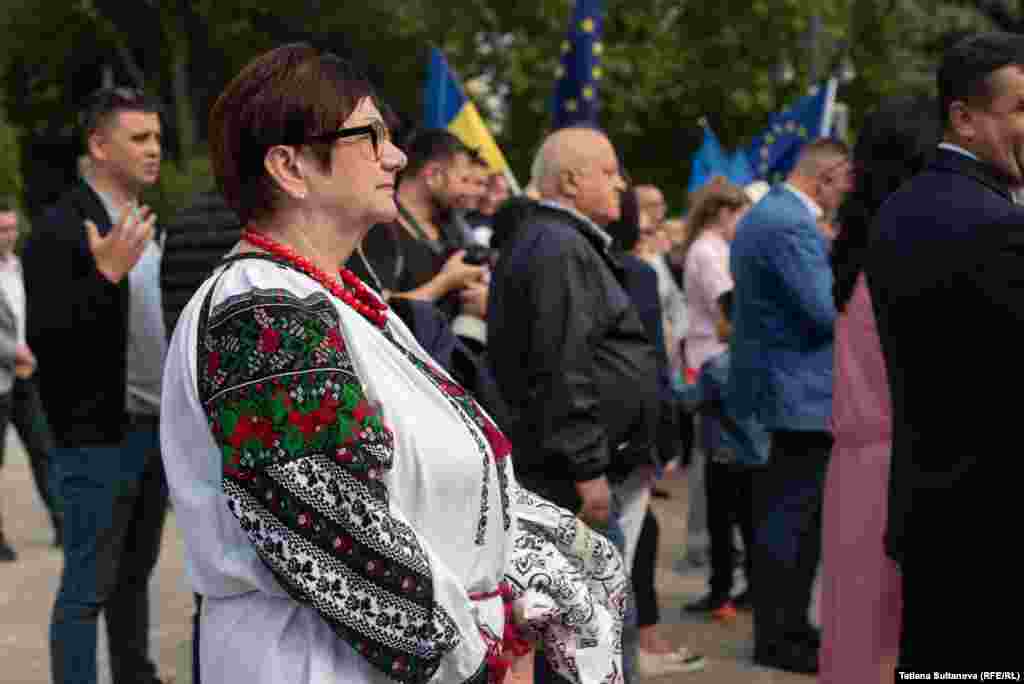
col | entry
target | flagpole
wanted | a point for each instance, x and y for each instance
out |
(829, 111)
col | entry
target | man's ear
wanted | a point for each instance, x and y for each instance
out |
(284, 165)
(433, 174)
(568, 183)
(962, 120)
(95, 144)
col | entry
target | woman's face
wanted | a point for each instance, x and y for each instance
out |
(360, 183)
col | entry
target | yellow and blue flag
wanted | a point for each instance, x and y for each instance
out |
(575, 100)
(446, 106)
(774, 152)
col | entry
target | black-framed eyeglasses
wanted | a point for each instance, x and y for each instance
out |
(378, 132)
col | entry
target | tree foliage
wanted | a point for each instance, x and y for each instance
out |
(666, 63)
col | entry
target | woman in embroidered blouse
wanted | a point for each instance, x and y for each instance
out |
(350, 514)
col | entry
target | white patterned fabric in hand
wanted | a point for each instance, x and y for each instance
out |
(570, 589)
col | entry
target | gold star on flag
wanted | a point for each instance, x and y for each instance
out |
(598, 48)
(587, 25)
(597, 72)
(566, 47)
(560, 71)
(570, 105)
(588, 93)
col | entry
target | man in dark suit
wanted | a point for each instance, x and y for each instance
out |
(946, 273)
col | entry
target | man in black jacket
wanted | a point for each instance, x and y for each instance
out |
(569, 351)
(952, 329)
(92, 273)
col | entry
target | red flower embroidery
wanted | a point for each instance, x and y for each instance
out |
(328, 411)
(343, 455)
(362, 411)
(213, 363)
(304, 520)
(250, 427)
(270, 341)
(307, 423)
(343, 544)
(334, 340)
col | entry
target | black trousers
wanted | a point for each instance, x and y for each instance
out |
(644, 563)
(22, 408)
(788, 494)
(728, 489)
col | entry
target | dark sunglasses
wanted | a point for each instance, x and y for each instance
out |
(378, 132)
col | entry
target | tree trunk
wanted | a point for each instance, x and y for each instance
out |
(178, 43)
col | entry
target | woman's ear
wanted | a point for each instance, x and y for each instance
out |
(284, 165)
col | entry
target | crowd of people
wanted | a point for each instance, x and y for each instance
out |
(411, 424)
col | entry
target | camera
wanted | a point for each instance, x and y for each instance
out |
(478, 255)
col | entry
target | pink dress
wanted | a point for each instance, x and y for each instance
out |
(860, 599)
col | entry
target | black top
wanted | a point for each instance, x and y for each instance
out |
(571, 356)
(946, 273)
(198, 237)
(77, 323)
(400, 262)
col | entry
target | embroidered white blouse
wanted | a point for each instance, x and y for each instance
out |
(345, 504)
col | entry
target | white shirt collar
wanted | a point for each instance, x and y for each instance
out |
(959, 150)
(812, 206)
(605, 238)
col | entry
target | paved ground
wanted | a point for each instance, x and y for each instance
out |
(27, 589)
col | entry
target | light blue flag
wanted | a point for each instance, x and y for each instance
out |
(740, 171)
(708, 161)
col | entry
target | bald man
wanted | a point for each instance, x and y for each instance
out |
(568, 349)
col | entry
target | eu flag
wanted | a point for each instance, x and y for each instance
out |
(741, 172)
(580, 69)
(774, 152)
(446, 106)
(708, 161)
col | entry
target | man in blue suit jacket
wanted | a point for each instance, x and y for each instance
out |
(946, 274)
(782, 376)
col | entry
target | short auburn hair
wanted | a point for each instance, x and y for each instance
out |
(287, 94)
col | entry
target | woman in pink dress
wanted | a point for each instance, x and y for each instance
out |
(860, 600)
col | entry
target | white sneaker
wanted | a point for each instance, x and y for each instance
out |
(676, 662)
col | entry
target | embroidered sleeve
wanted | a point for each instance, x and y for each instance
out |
(303, 454)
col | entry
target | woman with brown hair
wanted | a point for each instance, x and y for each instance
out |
(712, 225)
(350, 513)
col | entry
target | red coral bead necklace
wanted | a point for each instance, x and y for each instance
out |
(356, 296)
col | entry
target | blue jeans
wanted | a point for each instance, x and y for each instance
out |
(115, 503)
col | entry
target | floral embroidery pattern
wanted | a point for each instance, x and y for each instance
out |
(304, 453)
(471, 414)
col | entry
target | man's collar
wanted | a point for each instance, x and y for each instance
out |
(113, 211)
(605, 239)
(988, 175)
(959, 150)
(812, 206)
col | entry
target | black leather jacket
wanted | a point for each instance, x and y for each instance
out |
(570, 355)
